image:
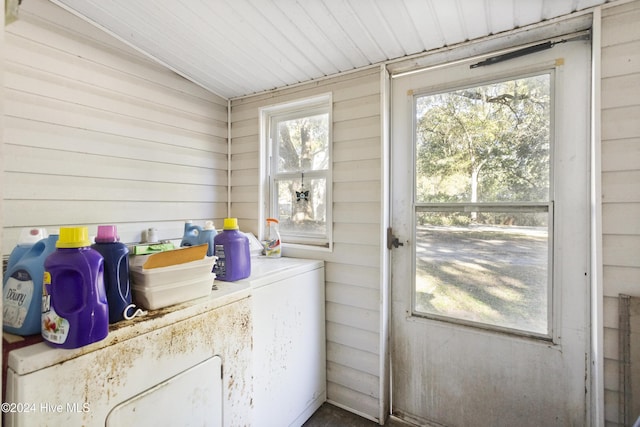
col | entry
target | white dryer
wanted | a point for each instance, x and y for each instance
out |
(163, 370)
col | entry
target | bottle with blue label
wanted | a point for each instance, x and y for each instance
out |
(116, 270)
(22, 286)
(75, 311)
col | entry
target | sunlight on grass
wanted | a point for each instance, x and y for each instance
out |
(460, 304)
(504, 293)
(498, 279)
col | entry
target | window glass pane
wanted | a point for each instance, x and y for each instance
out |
(303, 144)
(487, 143)
(493, 270)
(302, 210)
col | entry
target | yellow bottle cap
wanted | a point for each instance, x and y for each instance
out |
(73, 237)
(230, 224)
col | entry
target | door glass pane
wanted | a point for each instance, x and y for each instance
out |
(486, 143)
(494, 271)
(479, 146)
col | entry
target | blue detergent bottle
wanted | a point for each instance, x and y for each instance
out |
(195, 235)
(28, 238)
(22, 287)
(191, 235)
(207, 235)
(116, 270)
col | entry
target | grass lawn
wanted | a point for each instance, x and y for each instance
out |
(490, 274)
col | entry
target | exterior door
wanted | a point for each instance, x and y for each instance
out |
(490, 200)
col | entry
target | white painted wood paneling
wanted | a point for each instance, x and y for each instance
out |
(96, 133)
(353, 273)
(620, 181)
(241, 47)
(620, 280)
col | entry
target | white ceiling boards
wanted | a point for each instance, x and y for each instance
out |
(239, 47)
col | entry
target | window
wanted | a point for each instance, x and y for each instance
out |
(297, 144)
(483, 210)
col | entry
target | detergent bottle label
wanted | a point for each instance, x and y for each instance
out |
(54, 328)
(220, 267)
(272, 247)
(18, 292)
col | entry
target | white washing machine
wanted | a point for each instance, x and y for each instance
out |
(289, 350)
(165, 369)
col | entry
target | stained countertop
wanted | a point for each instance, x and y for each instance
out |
(41, 355)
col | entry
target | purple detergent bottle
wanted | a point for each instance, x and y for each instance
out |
(74, 302)
(116, 270)
(232, 250)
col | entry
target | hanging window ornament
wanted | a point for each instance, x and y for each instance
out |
(302, 195)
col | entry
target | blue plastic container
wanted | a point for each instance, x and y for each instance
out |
(116, 270)
(28, 238)
(22, 287)
(191, 234)
(232, 250)
(75, 312)
(195, 235)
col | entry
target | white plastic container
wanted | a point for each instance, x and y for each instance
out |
(155, 288)
(159, 296)
(174, 274)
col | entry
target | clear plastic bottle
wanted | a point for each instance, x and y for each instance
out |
(273, 243)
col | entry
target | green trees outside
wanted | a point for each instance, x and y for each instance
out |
(303, 144)
(488, 143)
(482, 158)
(303, 149)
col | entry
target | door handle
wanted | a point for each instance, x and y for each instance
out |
(392, 241)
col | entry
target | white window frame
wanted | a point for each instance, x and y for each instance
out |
(291, 110)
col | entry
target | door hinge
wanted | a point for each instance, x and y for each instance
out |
(392, 241)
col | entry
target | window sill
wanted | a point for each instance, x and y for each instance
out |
(286, 246)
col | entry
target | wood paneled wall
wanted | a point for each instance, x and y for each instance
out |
(96, 133)
(353, 270)
(620, 180)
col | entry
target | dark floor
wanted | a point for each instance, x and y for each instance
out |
(329, 415)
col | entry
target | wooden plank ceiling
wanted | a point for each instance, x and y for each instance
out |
(239, 47)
